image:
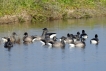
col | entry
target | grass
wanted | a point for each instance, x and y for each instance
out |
(51, 9)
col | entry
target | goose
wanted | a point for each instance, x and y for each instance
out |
(68, 39)
(48, 39)
(42, 36)
(8, 44)
(13, 38)
(77, 36)
(57, 43)
(95, 40)
(78, 43)
(83, 35)
(49, 34)
(28, 38)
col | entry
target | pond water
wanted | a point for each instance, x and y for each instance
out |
(34, 57)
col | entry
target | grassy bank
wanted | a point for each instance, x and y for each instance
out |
(40, 10)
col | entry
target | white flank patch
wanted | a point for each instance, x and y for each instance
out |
(93, 42)
(65, 42)
(33, 39)
(60, 39)
(43, 43)
(75, 40)
(72, 45)
(4, 40)
(51, 36)
(50, 45)
(37, 38)
(85, 37)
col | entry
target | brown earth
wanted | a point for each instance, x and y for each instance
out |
(69, 14)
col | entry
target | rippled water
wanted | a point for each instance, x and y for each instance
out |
(34, 57)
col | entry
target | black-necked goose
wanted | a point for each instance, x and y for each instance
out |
(48, 39)
(95, 40)
(68, 39)
(42, 36)
(8, 44)
(80, 44)
(84, 35)
(77, 36)
(57, 44)
(50, 34)
(28, 38)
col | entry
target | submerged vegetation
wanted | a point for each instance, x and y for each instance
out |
(42, 10)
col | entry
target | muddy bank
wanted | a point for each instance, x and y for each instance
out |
(7, 19)
(67, 14)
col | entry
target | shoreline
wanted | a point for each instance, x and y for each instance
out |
(68, 14)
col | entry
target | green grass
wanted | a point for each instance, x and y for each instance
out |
(47, 9)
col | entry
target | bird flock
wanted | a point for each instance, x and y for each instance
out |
(50, 39)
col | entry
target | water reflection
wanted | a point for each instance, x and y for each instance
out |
(27, 43)
(8, 48)
(59, 24)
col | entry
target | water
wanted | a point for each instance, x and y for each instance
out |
(34, 57)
